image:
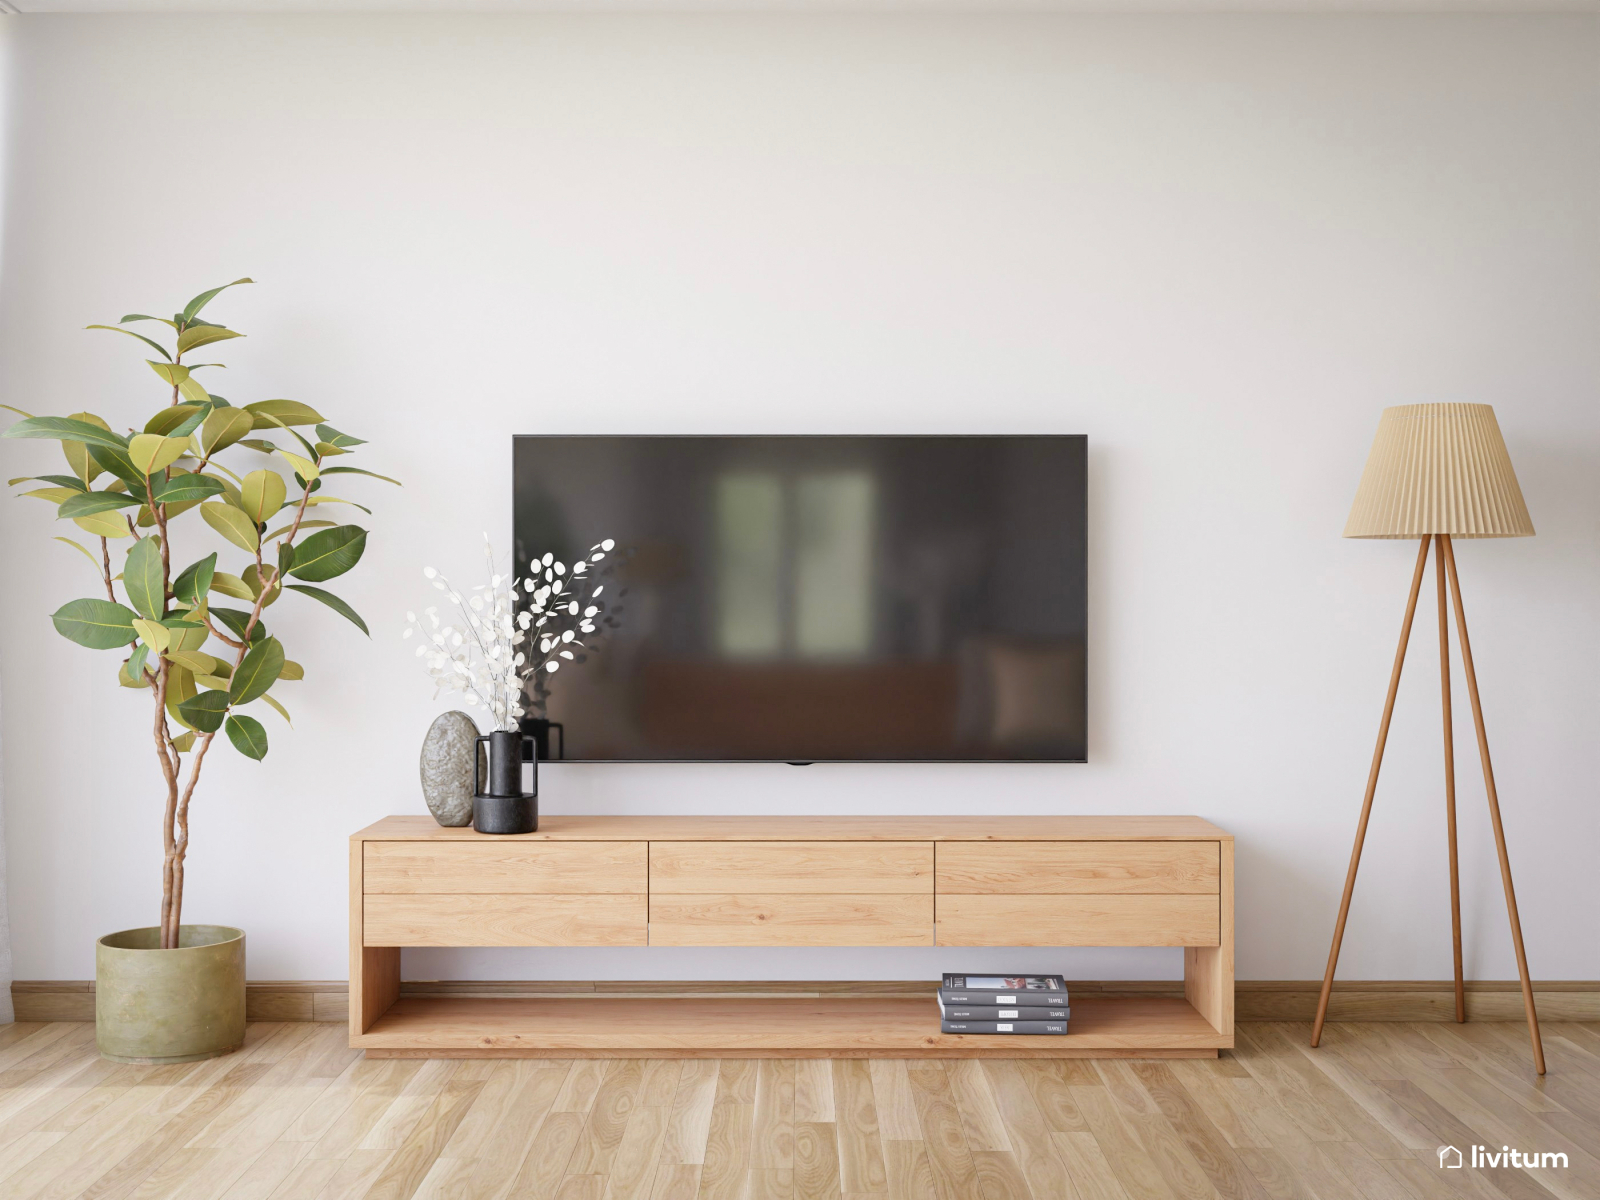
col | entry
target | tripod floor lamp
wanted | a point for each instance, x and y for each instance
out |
(1439, 472)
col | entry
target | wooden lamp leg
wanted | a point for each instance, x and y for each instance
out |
(1449, 774)
(1372, 788)
(1494, 808)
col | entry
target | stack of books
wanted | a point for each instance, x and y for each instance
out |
(1027, 1004)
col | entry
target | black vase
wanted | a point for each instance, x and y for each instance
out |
(503, 807)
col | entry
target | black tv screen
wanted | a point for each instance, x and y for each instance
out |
(811, 599)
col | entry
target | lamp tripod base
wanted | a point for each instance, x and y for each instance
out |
(1445, 567)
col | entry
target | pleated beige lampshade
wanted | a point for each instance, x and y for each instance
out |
(1438, 468)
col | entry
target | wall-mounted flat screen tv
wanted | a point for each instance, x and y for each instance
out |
(814, 599)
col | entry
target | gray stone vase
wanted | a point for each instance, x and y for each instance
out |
(446, 768)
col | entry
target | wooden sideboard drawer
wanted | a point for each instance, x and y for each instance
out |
(506, 867)
(597, 919)
(832, 868)
(1089, 868)
(1071, 920)
(791, 919)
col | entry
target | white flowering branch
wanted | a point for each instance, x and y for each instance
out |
(486, 658)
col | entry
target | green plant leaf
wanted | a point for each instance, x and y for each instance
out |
(184, 635)
(192, 309)
(236, 621)
(263, 494)
(95, 562)
(223, 427)
(278, 708)
(183, 743)
(184, 488)
(230, 487)
(260, 445)
(291, 671)
(56, 495)
(65, 481)
(231, 585)
(283, 529)
(231, 524)
(344, 441)
(205, 711)
(147, 317)
(154, 345)
(141, 578)
(86, 504)
(325, 449)
(258, 671)
(194, 581)
(359, 471)
(336, 500)
(333, 602)
(252, 580)
(97, 624)
(329, 553)
(201, 663)
(64, 429)
(151, 452)
(281, 414)
(117, 460)
(192, 390)
(247, 736)
(203, 335)
(153, 634)
(167, 420)
(104, 524)
(131, 673)
(303, 467)
(172, 373)
(180, 687)
(77, 454)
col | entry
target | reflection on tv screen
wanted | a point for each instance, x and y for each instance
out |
(816, 598)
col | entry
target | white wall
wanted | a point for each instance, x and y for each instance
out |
(1216, 245)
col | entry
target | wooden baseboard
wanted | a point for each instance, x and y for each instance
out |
(1255, 999)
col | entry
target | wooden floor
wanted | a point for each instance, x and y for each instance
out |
(297, 1114)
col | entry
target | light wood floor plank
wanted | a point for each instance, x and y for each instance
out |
(772, 1121)
(948, 1153)
(891, 1095)
(546, 1161)
(690, 1121)
(816, 1162)
(1029, 1133)
(295, 1115)
(861, 1170)
(613, 1104)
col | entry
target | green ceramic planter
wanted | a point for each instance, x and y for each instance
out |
(169, 1006)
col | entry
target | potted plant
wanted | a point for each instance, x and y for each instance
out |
(174, 992)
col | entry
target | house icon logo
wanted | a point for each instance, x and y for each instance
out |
(1449, 1157)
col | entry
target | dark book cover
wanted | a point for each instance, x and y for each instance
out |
(1002, 1012)
(1033, 1027)
(990, 989)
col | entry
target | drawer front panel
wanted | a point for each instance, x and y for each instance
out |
(1086, 868)
(505, 867)
(831, 868)
(504, 920)
(1078, 921)
(726, 919)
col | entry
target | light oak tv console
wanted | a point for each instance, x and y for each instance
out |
(787, 881)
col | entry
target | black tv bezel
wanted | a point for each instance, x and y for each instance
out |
(1082, 439)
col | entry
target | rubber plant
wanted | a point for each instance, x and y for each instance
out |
(203, 663)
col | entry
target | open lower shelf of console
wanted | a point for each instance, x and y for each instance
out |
(766, 1027)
